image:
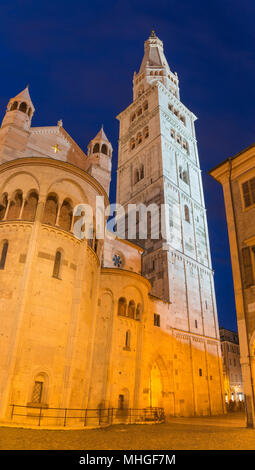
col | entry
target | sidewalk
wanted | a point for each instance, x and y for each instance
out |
(230, 420)
(227, 432)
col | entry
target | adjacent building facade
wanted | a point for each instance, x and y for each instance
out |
(237, 176)
(233, 384)
(106, 323)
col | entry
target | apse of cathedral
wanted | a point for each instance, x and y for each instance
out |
(107, 323)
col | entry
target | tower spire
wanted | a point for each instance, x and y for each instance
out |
(154, 67)
(20, 110)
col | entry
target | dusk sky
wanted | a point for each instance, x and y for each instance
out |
(79, 58)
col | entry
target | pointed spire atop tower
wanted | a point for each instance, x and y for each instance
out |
(153, 34)
(20, 110)
(99, 159)
(153, 53)
(100, 144)
(154, 67)
(24, 96)
(101, 136)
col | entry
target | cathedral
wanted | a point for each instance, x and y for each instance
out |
(106, 323)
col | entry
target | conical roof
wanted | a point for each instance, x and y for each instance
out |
(24, 96)
(101, 136)
(153, 53)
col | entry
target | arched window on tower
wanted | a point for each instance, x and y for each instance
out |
(131, 309)
(4, 254)
(50, 210)
(141, 172)
(14, 106)
(3, 206)
(185, 177)
(65, 215)
(138, 312)
(122, 307)
(180, 172)
(23, 107)
(140, 91)
(182, 118)
(30, 206)
(132, 144)
(96, 148)
(145, 106)
(57, 265)
(187, 214)
(15, 206)
(136, 176)
(128, 340)
(139, 138)
(104, 149)
(146, 133)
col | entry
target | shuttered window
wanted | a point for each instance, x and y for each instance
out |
(247, 265)
(249, 192)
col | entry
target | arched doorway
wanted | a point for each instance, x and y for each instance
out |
(156, 387)
(122, 411)
(161, 387)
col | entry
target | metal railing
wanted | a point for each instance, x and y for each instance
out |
(42, 415)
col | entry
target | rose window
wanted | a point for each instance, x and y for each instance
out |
(117, 261)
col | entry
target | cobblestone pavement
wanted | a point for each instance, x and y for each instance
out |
(226, 432)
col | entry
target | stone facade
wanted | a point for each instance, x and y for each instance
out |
(81, 325)
(237, 176)
(233, 383)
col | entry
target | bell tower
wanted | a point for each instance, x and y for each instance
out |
(100, 159)
(158, 164)
(14, 131)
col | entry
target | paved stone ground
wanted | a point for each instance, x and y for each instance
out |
(225, 432)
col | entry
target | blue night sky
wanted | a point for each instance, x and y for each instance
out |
(79, 57)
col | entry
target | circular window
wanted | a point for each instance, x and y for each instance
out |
(117, 261)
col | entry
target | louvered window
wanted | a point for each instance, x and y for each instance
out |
(249, 192)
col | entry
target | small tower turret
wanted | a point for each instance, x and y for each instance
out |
(99, 159)
(19, 111)
(14, 131)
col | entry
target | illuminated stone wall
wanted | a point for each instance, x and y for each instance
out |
(103, 323)
(47, 316)
(161, 166)
(233, 173)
